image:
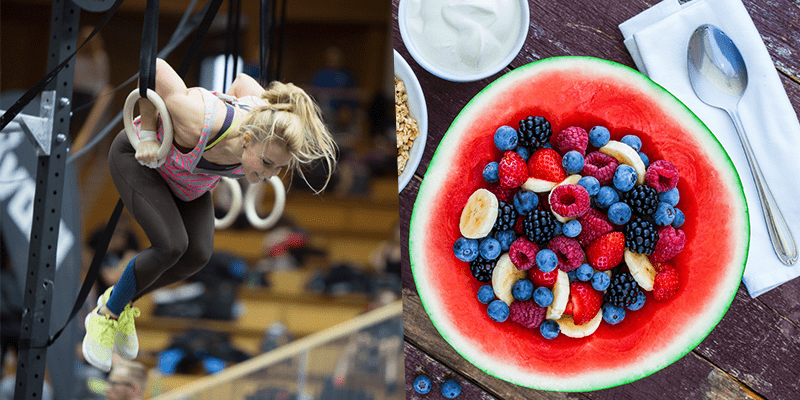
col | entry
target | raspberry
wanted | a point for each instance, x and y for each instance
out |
(546, 279)
(502, 194)
(572, 138)
(523, 253)
(519, 227)
(662, 176)
(569, 252)
(600, 166)
(593, 225)
(570, 200)
(513, 170)
(670, 243)
(527, 313)
(666, 283)
(607, 251)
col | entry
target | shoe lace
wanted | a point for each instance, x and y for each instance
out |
(107, 328)
(126, 323)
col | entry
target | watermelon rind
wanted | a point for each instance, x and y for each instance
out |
(682, 332)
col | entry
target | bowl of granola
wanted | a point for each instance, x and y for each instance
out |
(411, 120)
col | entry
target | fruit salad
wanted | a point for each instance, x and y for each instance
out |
(571, 229)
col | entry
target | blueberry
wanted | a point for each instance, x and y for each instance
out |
(584, 272)
(670, 197)
(572, 275)
(522, 290)
(613, 314)
(490, 248)
(599, 136)
(572, 228)
(546, 260)
(558, 229)
(543, 296)
(547, 146)
(591, 184)
(572, 162)
(645, 159)
(606, 197)
(422, 384)
(485, 294)
(600, 281)
(619, 213)
(664, 214)
(505, 138)
(451, 389)
(624, 177)
(505, 238)
(639, 303)
(523, 152)
(491, 172)
(525, 201)
(679, 219)
(549, 329)
(466, 249)
(498, 311)
(633, 141)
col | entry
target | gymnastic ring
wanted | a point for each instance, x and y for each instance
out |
(166, 122)
(236, 204)
(277, 207)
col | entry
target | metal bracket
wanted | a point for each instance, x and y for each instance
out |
(39, 130)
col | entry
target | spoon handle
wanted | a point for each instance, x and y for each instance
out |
(779, 233)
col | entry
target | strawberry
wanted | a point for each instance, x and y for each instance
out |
(546, 279)
(584, 302)
(545, 164)
(666, 282)
(513, 171)
(606, 251)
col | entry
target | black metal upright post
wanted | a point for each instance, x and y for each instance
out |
(47, 208)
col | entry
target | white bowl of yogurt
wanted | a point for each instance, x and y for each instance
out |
(463, 40)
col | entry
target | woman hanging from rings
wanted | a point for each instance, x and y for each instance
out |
(258, 134)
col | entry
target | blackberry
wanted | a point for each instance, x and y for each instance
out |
(642, 199)
(534, 132)
(623, 290)
(506, 216)
(482, 269)
(539, 226)
(640, 236)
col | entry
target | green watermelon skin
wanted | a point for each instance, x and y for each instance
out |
(585, 92)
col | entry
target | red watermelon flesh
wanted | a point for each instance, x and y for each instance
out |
(584, 92)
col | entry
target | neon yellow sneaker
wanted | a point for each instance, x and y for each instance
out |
(98, 344)
(126, 343)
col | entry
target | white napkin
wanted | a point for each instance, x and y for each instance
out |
(657, 39)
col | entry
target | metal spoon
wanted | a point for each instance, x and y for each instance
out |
(719, 77)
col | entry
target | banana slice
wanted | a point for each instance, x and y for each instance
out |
(539, 185)
(504, 276)
(642, 270)
(568, 327)
(560, 296)
(626, 155)
(571, 180)
(479, 215)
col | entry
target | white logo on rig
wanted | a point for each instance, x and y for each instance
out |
(17, 183)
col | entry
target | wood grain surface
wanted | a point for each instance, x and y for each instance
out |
(754, 352)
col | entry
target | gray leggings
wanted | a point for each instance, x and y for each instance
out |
(181, 233)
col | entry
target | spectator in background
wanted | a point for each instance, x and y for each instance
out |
(127, 380)
(92, 76)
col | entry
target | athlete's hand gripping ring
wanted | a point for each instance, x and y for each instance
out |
(277, 207)
(166, 122)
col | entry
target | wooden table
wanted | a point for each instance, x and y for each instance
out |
(754, 352)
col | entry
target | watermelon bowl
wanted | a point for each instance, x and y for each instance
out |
(585, 92)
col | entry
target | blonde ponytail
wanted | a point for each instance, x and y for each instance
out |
(292, 117)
